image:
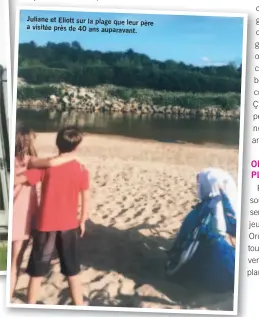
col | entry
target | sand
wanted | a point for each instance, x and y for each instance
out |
(140, 192)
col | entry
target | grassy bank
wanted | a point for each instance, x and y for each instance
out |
(225, 101)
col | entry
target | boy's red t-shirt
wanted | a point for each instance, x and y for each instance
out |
(60, 190)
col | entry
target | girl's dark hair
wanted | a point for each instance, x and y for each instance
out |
(24, 143)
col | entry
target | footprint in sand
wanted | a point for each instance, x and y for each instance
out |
(139, 213)
(156, 209)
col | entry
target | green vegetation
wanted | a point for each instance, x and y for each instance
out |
(225, 101)
(70, 63)
(126, 75)
(3, 257)
(188, 100)
(26, 92)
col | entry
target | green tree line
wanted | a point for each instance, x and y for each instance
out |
(70, 63)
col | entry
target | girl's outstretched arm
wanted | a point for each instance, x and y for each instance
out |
(51, 162)
(39, 162)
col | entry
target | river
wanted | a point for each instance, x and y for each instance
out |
(156, 127)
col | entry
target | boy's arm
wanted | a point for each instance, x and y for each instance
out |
(31, 176)
(84, 206)
(84, 214)
(84, 200)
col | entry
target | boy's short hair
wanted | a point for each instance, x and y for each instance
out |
(68, 138)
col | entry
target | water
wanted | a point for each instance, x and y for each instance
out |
(157, 127)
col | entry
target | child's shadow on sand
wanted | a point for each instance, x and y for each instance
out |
(139, 258)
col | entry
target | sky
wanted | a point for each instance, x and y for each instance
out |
(197, 40)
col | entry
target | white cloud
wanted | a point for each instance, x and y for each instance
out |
(205, 59)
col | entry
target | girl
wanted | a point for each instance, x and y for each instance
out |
(25, 202)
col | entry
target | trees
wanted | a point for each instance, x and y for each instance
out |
(69, 62)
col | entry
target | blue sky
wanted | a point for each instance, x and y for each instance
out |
(198, 40)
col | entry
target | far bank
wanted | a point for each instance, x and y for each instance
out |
(114, 99)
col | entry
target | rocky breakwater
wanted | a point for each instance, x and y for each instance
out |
(98, 100)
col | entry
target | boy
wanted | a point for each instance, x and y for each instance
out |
(57, 222)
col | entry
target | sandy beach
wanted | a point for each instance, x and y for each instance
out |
(140, 192)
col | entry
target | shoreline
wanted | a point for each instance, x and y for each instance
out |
(209, 112)
(153, 141)
(113, 99)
